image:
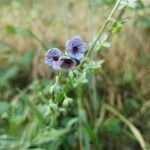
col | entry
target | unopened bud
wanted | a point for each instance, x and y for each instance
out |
(67, 101)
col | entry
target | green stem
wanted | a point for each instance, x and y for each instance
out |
(59, 75)
(93, 79)
(40, 41)
(79, 115)
(104, 26)
(102, 29)
(101, 119)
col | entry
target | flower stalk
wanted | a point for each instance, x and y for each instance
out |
(102, 29)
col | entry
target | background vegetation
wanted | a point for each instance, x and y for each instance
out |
(118, 109)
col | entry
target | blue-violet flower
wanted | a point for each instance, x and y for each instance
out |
(67, 63)
(52, 58)
(76, 48)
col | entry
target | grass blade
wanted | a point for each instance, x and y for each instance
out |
(133, 129)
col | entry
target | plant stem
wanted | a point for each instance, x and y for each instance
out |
(44, 46)
(104, 26)
(102, 29)
(59, 75)
(101, 119)
(93, 79)
(79, 97)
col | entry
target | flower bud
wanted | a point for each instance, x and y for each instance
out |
(67, 101)
(53, 106)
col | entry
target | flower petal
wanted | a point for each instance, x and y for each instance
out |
(52, 58)
(56, 65)
(76, 48)
(83, 47)
(48, 61)
(67, 64)
(77, 56)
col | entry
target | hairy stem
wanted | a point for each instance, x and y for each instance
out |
(102, 29)
(104, 26)
(93, 79)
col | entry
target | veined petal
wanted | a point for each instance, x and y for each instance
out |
(77, 56)
(76, 48)
(52, 58)
(67, 64)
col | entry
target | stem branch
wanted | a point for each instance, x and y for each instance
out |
(102, 29)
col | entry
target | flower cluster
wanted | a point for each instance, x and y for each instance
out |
(75, 52)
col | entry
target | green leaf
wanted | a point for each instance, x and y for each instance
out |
(18, 30)
(113, 126)
(117, 26)
(7, 143)
(131, 104)
(128, 75)
(4, 106)
(82, 116)
(55, 88)
(72, 121)
(24, 32)
(31, 131)
(26, 58)
(134, 4)
(108, 2)
(92, 65)
(33, 109)
(50, 136)
(7, 74)
(144, 21)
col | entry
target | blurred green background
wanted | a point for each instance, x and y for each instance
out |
(27, 28)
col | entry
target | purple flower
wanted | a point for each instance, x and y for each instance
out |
(67, 63)
(52, 58)
(76, 48)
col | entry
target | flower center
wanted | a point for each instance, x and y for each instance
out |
(68, 61)
(55, 58)
(75, 49)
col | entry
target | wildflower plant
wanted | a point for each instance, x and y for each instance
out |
(75, 69)
(62, 115)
